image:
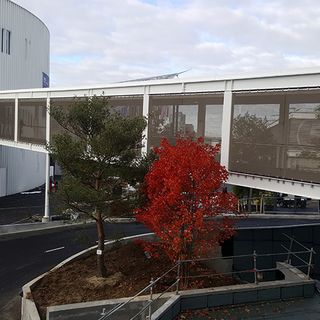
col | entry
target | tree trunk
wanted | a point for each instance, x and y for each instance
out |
(101, 237)
(100, 250)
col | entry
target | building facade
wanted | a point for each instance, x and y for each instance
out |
(268, 125)
(24, 48)
(24, 63)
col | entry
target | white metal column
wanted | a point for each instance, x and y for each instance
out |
(145, 113)
(226, 125)
(46, 216)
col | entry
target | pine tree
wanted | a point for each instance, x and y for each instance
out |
(98, 151)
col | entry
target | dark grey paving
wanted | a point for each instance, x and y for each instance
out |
(297, 309)
(274, 222)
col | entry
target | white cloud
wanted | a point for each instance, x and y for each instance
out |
(102, 41)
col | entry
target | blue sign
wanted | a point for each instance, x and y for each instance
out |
(45, 80)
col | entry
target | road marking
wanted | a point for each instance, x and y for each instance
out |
(30, 192)
(105, 240)
(56, 249)
(24, 266)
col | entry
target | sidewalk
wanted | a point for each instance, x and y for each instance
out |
(39, 226)
(297, 309)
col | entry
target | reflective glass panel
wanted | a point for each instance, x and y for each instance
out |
(65, 103)
(213, 124)
(187, 120)
(7, 119)
(32, 121)
(277, 135)
(186, 116)
(257, 135)
(128, 107)
(303, 150)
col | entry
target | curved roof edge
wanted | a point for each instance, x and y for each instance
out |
(18, 5)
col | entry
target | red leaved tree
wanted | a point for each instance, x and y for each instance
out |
(185, 199)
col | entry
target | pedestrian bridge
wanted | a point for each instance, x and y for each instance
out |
(268, 126)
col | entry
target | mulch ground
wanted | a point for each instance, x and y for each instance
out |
(130, 271)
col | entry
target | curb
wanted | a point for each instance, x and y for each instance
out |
(284, 216)
(28, 307)
(11, 229)
(39, 226)
(274, 216)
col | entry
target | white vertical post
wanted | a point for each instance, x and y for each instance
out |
(16, 117)
(46, 216)
(145, 113)
(226, 125)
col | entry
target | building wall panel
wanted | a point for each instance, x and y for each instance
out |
(29, 52)
(25, 169)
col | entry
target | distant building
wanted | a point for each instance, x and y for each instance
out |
(24, 63)
(24, 48)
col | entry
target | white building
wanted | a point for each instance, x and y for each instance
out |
(24, 63)
(24, 48)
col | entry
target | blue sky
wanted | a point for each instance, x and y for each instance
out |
(103, 41)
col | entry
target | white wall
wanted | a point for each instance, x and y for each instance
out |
(30, 45)
(3, 182)
(25, 169)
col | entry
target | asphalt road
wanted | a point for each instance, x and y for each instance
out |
(273, 222)
(24, 257)
(18, 207)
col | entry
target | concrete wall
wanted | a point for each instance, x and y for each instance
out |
(295, 285)
(233, 295)
(270, 240)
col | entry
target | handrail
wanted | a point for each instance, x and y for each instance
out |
(124, 303)
(242, 256)
(299, 243)
(153, 301)
(118, 307)
(178, 264)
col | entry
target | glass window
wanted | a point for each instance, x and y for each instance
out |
(5, 41)
(8, 42)
(303, 150)
(32, 121)
(213, 124)
(127, 107)
(55, 128)
(186, 116)
(160, 124)
(2, 39)
(187, 120)
(170, 117)
(257, 135)
(304, 124)
(7, 119)
(277, 135)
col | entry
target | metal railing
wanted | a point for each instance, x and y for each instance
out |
(310, 252)
(257, 274)
(150, 289)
